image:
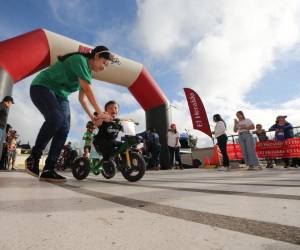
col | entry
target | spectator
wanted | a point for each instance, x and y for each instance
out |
(12, 148)
(174, 146)
(283, 130)
(220, 134)
(145, 149)
(3, 161)
(260, 132)
(154, 148)
(4, 107)
(243, 126)
(262, 136)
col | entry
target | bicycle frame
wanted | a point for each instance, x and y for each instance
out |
(124, 148)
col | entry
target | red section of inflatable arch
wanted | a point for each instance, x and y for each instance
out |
(147, 92)
(24, 55)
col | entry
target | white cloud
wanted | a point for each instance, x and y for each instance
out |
(75, 12)
(106, 92)
(227, 43)
(163, 26)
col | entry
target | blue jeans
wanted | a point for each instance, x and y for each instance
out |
(56, 112)
(248, 145)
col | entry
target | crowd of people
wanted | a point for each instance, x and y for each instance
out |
(246, 129)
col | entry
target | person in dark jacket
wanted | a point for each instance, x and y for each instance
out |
(283, 130)
(154, 148)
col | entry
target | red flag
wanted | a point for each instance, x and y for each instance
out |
(197, 110)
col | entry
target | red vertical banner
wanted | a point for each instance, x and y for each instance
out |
(198, 113)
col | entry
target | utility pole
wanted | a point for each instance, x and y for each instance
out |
(170, 111)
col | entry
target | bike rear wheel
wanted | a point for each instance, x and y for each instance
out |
(136, 171)
(81, 168)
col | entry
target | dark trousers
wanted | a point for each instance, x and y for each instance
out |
(106, 147)
(175, 151)
(155, 153)
(4, 157)
(222, 143)
(56, 112)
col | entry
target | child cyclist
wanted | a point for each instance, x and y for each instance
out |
(88, 137)
(109, 128)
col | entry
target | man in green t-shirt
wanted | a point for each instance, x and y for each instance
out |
(49, 92)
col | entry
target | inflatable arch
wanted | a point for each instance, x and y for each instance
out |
(26, 54)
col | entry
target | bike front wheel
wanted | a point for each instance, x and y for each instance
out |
(136, 171)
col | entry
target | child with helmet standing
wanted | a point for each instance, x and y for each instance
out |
(88, 138)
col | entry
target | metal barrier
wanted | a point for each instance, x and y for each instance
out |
(270, 134)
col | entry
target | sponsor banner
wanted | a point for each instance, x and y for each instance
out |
(234, 151)
(289, 148)
(198, 113)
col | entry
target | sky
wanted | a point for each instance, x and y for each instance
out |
(237, 55)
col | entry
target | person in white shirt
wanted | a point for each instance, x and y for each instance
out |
(246, 140)
(220, 134)
(174, 145)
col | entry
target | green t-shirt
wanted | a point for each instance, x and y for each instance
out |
(88, 137)
(63, 77)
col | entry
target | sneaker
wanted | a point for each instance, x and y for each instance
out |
(157, 168)
(52, 176)
(251, 169)
(221, 168)
(32, 167)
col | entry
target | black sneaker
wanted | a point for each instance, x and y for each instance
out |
(32, 167)
(52, 176)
